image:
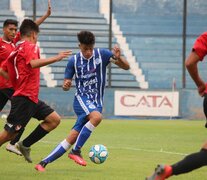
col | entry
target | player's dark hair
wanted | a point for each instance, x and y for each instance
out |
(10, 21)
(27, 27)
(86, 37)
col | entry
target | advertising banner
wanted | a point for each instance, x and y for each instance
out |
(146, 103)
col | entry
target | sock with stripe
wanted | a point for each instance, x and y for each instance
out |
(83, 136)
(59, 150)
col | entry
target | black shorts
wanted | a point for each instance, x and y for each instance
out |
(5, 95)
(22, 110)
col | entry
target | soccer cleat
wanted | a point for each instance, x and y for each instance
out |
(41, 166)
(162, 172)
(25, 151)
(13, 149)
(76, 156)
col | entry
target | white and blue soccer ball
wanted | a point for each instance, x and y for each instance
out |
(98, 153)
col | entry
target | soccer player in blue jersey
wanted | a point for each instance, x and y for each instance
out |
(89, 68)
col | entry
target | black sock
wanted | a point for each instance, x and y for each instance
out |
(35, 136)
(42, 163)
(205, 107)
(17, 138)
(190, 162)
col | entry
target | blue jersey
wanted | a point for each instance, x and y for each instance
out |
(90, 75)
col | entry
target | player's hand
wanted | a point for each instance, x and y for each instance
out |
(66, 84)
(49, 10)
(63, 54)
(116, 51)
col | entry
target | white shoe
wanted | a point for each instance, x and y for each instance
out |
(13, 149)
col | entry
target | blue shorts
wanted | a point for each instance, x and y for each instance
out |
(83, 106)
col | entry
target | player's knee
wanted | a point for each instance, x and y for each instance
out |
(53, 120)
(56, 121)
(95, 120)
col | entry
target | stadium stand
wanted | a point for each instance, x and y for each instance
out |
(59, 33)
(154, 33)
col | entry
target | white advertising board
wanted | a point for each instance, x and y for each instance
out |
(146, 103)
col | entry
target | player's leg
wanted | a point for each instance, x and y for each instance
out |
(6, 136)
(51, 121)
(188, 164)
(95, 118)
(5, 95)
(21, 112)
(58, 151)
(11, 147)
(88, 124)
(3, 100)
(205, 107)
(16, 119)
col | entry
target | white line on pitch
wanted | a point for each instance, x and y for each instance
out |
(157, 151)
(133, 149)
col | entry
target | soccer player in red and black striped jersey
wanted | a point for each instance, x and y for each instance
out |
(7, 44)
(198, 159)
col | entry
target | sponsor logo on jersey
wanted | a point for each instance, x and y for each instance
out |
(98, 61)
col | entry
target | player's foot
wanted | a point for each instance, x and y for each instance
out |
(13, 149)
(162, 172)
(76, 156)
(41, 166)
(25, 151)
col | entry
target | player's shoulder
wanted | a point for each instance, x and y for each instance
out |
(103, 50)
(76, 56)
(28, 45)
(71, 60)
(203, 35)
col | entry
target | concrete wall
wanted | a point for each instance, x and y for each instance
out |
(190, 103)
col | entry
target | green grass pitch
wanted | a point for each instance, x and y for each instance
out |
(135, 148)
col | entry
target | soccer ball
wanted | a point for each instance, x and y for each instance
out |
(98, 153)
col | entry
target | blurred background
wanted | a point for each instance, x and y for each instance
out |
(155, 36)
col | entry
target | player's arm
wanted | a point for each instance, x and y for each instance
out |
(118, 59)
(45, 16)
(43, 62)
(191, 64)
(4, 73)
(66, 84)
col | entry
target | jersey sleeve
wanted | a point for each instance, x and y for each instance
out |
(106, 55)
(70, 69)
(200, 46)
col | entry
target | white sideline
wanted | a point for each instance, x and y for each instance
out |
(132, 149)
